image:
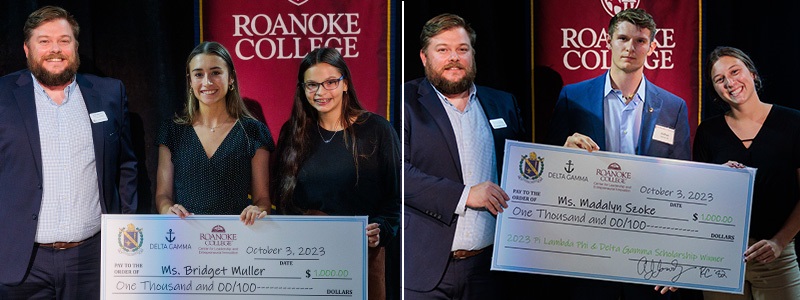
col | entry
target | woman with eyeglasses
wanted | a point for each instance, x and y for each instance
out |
(335, 158)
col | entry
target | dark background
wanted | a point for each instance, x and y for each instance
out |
(145, 43)
(766, 32)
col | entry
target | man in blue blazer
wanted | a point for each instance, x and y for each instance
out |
(580, 110)
(65, 159)
(455, 134)
(621, 111)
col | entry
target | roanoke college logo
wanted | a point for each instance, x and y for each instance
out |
(531, 167)
(613, 7)
(130, 240)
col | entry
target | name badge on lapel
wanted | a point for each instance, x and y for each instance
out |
(664, 134)
(98, 117)
(498, 123)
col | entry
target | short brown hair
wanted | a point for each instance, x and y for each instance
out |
(635, 16)
(47, 14)
(441, 23)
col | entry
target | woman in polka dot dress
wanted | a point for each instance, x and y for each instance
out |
(214, 158)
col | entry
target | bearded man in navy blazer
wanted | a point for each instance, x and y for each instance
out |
(65, 159)
(621, 111)
(455, 134)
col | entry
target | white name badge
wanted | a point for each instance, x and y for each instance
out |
(98, 117)
(664, 134)
(498, 123)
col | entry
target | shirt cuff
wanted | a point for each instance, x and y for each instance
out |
(461, 207)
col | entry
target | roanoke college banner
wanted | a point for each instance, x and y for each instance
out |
(269, 38)
(570, 37)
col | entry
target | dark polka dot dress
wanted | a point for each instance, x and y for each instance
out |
(219, 185)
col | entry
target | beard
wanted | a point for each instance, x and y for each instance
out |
(47, 78)
(446, 86)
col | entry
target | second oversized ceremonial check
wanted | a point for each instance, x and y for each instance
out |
(620, 217)
(218, 257)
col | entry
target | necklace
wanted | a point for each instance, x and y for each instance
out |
(214, 129)
(323, 139)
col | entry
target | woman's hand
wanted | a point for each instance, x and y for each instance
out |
(373, 235)
(763, 251)
(251, 213)
(177, 209)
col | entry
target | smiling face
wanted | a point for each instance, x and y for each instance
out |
(630, 46)
(449, 61)
(325, 101)
(52, 53)
(732, 80)
(210, 79)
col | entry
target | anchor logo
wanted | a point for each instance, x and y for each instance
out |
(170, 238)
(569, 167)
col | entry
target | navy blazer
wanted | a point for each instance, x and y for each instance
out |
(21, 162)
(433, 180)
(580, 109)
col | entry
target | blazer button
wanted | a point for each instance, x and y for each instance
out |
(34, 217)
(39, 186)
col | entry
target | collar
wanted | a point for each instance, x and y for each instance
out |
(472, 94)
(640, 91)
(67, 90)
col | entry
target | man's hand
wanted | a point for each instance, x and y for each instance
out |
(487, 195)
(577, 140)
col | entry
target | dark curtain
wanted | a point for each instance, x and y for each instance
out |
(143, 43)
(502, 46)
(767, 33)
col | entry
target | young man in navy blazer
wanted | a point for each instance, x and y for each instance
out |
(455, 134)
(65, 159)
(621, 111)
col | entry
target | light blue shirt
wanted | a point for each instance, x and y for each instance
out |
(623, 122)
(70, 209)
(475, 227)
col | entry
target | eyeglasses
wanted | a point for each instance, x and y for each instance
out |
(313, 87)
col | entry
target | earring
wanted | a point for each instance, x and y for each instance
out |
(230, 87)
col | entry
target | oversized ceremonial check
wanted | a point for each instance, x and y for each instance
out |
(218, 257)
(620, 217)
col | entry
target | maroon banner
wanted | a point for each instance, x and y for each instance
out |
(269, 38)
(570, 37)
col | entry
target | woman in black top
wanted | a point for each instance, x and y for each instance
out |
(214, 158)
(335, 158)
(763, 136)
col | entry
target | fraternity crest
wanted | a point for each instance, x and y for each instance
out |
(531, 168)
(130, 240)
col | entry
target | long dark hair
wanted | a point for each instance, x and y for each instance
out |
(295, 137)
(233, 100)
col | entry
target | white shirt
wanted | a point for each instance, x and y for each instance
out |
(623, 122)
(70, 209)
(474, 228)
